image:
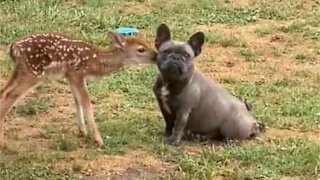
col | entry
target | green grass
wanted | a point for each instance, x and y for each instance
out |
(253, 161)
(10, 171)
(249, 55)
(305, 58)
(125, 107)
(6, 67)
(34, 106)
(265, 30)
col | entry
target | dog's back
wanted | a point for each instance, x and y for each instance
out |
(218, 111)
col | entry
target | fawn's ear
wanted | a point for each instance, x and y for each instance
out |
(117, 40)
(196, 41)
(163, 35)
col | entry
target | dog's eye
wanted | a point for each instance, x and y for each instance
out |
(167, 51)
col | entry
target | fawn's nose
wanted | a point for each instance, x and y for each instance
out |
(154, 58)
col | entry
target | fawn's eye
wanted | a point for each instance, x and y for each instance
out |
(141, 49)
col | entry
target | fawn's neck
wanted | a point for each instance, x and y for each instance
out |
(109, 61)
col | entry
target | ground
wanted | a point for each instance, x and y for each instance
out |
(267, 52)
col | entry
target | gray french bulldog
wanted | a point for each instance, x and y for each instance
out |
(191, 102)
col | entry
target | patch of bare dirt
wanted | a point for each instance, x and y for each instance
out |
(3, 53)
(226, 62)
(238, 3)
(115, 165)
(274, 133)
(26, 131)
(135, 7)
(129, 174)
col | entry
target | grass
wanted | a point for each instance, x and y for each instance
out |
(11, 172)
(253, 161)
(249, 55)
(34, 106)
(280, 79)
(265, 30)
(304, 58)
(224, 40)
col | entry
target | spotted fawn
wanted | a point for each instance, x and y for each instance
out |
(50, 55)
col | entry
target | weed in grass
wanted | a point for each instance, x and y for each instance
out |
(304, 58)
(66, 143)
(249, 54)
(286, 82)
(229, 80)
(279, 51)
(232, 41)
(213, 37)
(34, 106)
(6, 67)
(318, 77)
(303, 74)
(265, 30)
(294, 27)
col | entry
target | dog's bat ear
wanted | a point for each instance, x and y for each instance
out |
(196, 42)
(163, 35)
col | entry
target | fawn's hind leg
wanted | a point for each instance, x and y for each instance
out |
(19, 84)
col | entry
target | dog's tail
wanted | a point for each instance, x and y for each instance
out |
(248, 105)
(261, 127)
(257, 129)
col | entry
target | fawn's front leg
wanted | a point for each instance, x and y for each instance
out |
(79, 87)
(79, 115)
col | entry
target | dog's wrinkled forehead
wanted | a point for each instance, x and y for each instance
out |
(177, 47)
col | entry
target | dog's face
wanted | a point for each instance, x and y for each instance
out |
(176, 58)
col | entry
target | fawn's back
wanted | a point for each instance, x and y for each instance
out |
(52, 54)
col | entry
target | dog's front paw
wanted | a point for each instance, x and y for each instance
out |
(167, 133)
(172, 140)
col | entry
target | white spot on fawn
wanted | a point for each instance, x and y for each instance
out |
(94, 56)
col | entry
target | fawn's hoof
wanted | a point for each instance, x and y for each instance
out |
(83, 132)
(99, 141)
(3, 145)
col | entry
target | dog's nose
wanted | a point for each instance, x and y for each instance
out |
(175, 57)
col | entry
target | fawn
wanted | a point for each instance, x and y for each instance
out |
(45, 55)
